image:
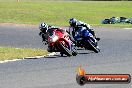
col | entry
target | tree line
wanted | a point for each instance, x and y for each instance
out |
(105, 0)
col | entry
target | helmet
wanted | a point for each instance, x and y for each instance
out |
(72, 22)
(43, 27)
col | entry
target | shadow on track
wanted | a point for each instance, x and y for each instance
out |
(86, 52)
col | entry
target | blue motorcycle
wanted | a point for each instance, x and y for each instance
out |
(86, 40)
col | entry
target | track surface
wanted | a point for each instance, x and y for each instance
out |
(60, 72)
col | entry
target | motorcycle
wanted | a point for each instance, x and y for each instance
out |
(86, 40)
(60, 42)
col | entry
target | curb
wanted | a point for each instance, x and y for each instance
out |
(36, 57)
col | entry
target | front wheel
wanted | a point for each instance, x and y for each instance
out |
(93, 45)
(61, 54)
(65, 50)
(74, 53)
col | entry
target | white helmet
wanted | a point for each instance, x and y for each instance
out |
(43, 27)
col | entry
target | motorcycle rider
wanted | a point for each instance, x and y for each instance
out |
(45, 29)
(74, 25)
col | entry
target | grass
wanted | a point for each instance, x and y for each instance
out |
(58, 13)
(9, 53)
(34, 0)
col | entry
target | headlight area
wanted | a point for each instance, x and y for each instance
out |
(55, 38)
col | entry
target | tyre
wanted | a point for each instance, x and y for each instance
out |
(74, 53)
(61, 54)
(65, 50)
(93, 46)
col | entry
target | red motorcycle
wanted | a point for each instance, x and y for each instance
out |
(60, 42)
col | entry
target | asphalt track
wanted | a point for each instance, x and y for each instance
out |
(60, 72)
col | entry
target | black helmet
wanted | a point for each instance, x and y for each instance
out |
(73, 22)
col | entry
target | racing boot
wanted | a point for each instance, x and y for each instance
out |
(97, 38)
(93, 33)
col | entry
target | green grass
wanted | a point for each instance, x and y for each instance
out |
(34, 0)
(58, 13)
(9, 53)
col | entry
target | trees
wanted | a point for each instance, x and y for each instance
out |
(105, 0)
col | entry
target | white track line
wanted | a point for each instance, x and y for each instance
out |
(36, 57)
(5, 61)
